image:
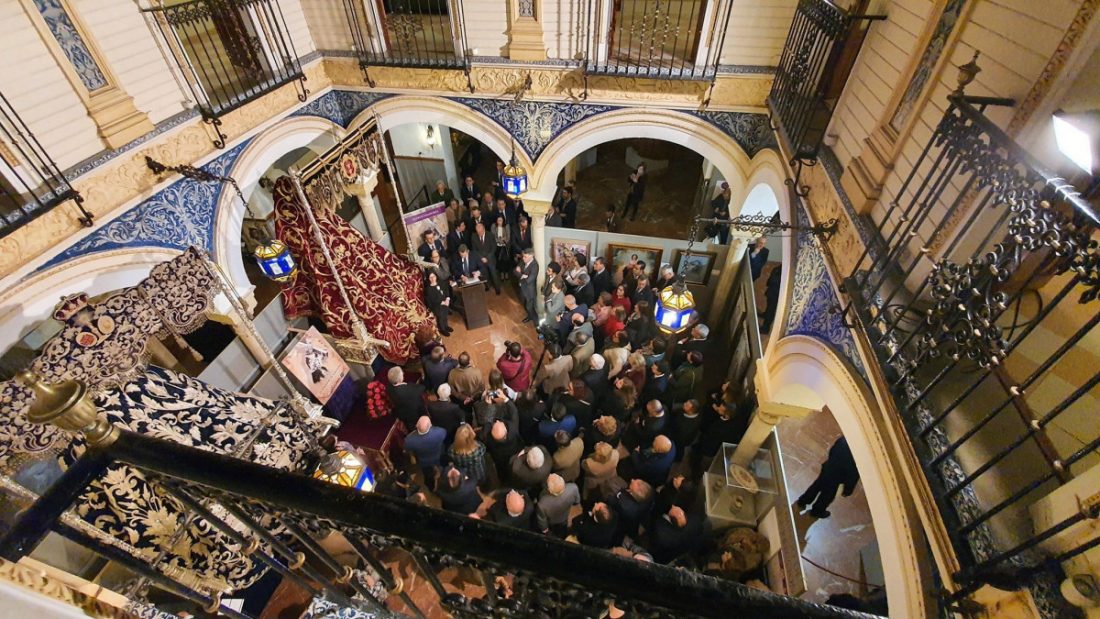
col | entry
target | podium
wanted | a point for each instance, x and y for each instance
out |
(474, 308)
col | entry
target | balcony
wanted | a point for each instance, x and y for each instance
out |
(979, 300)
(407, 33)
(228, 52)
(31, 184)
(669, 39)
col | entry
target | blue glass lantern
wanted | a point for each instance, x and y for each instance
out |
(675, 308)
(275, 260)
(514, 177)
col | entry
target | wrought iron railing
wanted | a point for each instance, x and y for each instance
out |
(407, 33)
(671, 39)
(979, 299)
(507, 572)
(31, 184)
(229, 52)
(817, 58)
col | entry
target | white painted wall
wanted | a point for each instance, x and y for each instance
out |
(487, 25)
(410, 140)
(327, 23)
(757, 31)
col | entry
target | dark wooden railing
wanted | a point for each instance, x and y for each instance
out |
(664, 39)
(979, 298)
(547, 577)
(817, 59)
(229, 52)
(31, 184)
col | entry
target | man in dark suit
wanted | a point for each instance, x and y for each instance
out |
(528, 283)
(674, 534)
(758, 257)
(514, 510)
(634, 505)
(457, 237)
(839, 469)
(568, 208)
(596, 377)
(437, 364)
(656, 385)
(458, 492)
(466, 266)
(408, 400)
(521, 237)
(469, 190)
(600, 278)
(430, 243)
(485, 247)
(444, 413)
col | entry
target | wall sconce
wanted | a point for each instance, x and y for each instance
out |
(1078, 138)
(430, 137)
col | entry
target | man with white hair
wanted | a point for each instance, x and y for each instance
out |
(696, 341)
(530, 467)
(445, 413)
(408, 400)
(426, 445)
(596, 377)
(552, 513)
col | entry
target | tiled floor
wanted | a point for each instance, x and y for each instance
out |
(834, 544)
(486, 344)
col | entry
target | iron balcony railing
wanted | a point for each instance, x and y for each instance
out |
(521, 574)
(407, 33)
(31, 184)
(817, 58)
(229, 52)
(979, 299)
(671, 39)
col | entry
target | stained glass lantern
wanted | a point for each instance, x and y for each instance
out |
(275, 260)
(675, 308)
(514, 177)
(344, 468)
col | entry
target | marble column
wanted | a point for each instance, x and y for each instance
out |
(363, 190)
(768, 415)
(538, 209)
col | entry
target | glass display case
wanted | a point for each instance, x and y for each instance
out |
(738, 495)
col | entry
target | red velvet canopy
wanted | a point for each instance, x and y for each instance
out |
(385, 289)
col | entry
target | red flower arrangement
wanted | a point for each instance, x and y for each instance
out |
(378, 402)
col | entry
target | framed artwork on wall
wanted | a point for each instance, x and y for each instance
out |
(619, 256)
(563, 250)
(696, 265)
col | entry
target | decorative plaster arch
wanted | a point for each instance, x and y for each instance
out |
(803, 371)
(405, 109)
(261, 153)
(33, 299)
(677, 127)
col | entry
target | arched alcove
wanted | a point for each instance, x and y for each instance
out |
(683, 129)
(258, 157)
(803, 371)
(34, 299)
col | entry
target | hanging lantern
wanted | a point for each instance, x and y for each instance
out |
(275, 260)
(514, 176)
(675, 308)
(344, 468)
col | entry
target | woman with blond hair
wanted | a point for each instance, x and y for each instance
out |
(604, 430)
(636, 370)
(599, 470)
(468, 453)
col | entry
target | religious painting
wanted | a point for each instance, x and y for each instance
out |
(618, 256)
(254, 232)
(316, 364)
(431, 217)
(563, 251)
(695, 265)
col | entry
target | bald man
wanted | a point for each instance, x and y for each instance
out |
(515, 511)
(426, 444)
(654, 462)
(674, 534)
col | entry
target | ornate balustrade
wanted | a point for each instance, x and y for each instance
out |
(982, 333)
(277, 518)
(31, 184)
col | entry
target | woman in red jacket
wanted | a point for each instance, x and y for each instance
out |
(515, 364)
(615, 322)
(619, 299)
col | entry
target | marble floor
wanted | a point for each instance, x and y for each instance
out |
(486, 344)
(831, 548)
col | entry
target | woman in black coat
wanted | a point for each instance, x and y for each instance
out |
(438, 299)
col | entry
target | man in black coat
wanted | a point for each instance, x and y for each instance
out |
(444, 413)
(597, 527)
(595, 377)
(469, 190)
(437, 365)
(568, 208)
(686, 423)
(528, 272)
(656, 384)
(483, 244)
(457, 237)
(502, 441)
(600, 278)
(634, 505)
(839, 469)
(674, 534)
(466, 266)
(521, 237)
(458, 492)
(514, 510)
(408, 400)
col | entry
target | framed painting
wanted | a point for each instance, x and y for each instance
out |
(696, 265)
(618, 256)
(563, 251)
